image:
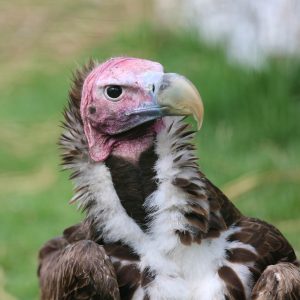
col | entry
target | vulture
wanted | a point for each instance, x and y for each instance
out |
(155, 227)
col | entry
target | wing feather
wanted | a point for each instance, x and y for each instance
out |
(278, 282)
(80, 270)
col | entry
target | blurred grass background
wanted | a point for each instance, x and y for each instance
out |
(249, 144)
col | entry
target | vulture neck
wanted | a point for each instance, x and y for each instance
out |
(164, 191)
(131, 145)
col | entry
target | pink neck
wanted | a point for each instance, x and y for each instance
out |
(132, 149)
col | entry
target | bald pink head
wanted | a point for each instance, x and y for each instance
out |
(121, 95)
(103, 116)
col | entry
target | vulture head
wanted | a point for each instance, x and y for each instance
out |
(123, 101)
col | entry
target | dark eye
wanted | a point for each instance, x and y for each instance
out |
(113, 92)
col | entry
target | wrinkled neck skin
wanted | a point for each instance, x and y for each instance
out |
(131, 149)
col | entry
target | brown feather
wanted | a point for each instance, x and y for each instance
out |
(240, 255)
(269, 243)
(278, 282)
(185, 237)
(81, 270)
(233, 284)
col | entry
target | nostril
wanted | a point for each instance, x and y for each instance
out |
(92, 109)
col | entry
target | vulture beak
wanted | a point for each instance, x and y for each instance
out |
(172, 95)
(177, 96)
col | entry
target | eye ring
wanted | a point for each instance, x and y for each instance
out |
(113, 92)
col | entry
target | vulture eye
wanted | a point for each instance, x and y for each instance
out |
(113, 92)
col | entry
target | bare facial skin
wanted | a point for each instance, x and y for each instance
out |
(124, 93)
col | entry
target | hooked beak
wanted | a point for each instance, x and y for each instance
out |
(175, 96)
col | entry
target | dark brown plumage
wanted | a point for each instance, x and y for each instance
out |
(72, 267)
(278, 282)
(134, 189)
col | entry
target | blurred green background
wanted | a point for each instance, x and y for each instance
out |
(249, 144)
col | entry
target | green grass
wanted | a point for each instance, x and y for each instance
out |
(251, 126)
